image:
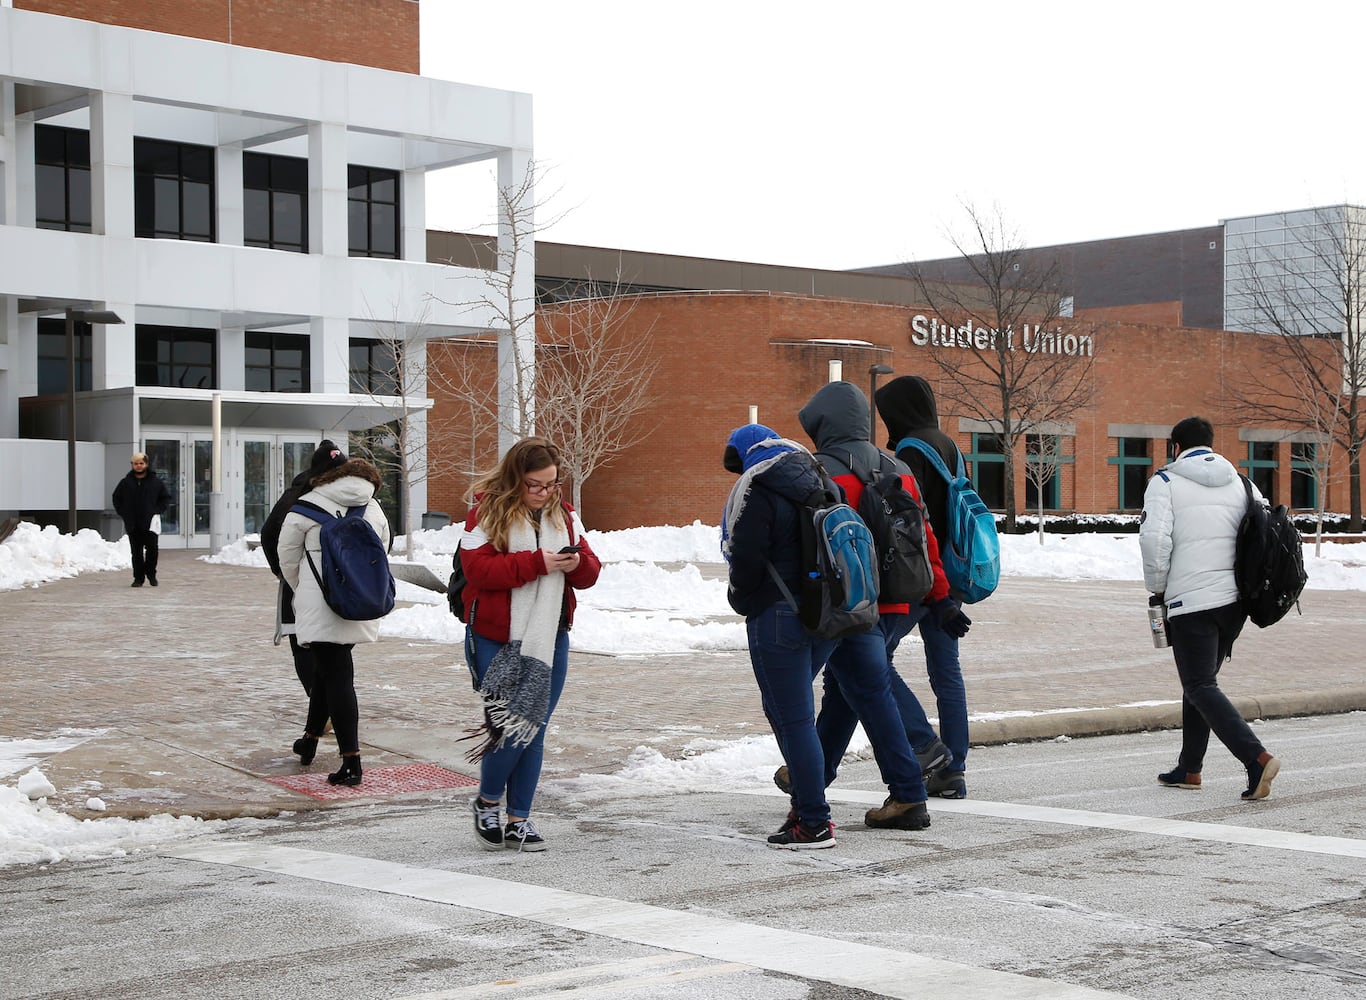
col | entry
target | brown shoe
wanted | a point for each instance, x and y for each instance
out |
(894, 815)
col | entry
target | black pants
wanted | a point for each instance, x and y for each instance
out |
(144, 546)
(1201, 641)
(334, 694)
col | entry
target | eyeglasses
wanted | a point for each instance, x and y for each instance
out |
(539, 488)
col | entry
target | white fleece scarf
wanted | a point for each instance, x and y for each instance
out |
(516, 686)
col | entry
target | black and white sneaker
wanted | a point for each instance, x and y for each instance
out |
(800, 837)
(488, 824)
(521, 835)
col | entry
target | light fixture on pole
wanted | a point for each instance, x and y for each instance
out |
(873, 372)
(74, 316)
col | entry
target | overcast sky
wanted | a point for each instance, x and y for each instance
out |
(845, 135)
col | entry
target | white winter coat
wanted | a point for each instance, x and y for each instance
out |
(1191, 511)
(314, 620)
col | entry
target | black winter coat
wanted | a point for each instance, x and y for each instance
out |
(138, 500)
(270, 531)
(907, 407)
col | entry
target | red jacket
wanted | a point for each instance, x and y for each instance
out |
(492, 575)
(853, 492)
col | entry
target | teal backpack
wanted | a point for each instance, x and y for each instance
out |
(972, 553)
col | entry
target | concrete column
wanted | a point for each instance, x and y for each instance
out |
(327, 226)
(9, 337)
(21, 178)
(113, 351)
(111, 164)
(229, 194)
(413, 226)
(517, 267)
(232, 358)
(330, 353)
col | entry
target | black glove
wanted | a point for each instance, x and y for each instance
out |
(950, 617)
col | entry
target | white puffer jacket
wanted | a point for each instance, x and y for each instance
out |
(1191, 511)
(314, 620)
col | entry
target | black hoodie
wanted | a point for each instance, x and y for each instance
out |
(906, 405)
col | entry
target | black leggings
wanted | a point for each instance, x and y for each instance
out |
(334, 693)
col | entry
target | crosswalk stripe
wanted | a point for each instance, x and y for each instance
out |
(882, 971)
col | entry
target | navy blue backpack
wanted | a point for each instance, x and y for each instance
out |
(356, 581)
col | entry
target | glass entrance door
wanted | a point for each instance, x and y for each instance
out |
(269, 465)
(185, 462)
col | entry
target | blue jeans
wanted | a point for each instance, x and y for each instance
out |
(515, 769)
(786, 660)
(859, 667)
(1201, 641)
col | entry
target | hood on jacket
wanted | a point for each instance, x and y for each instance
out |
(354, 483)
(1203, 466)
(906, 405)
(837, 419)
(753, 443)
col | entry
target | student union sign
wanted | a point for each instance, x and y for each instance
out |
(930, 331)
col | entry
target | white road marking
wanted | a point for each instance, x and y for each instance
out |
(882, 971)
(1218, 833)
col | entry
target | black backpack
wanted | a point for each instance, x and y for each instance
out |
(455, 587)
(898, 524)
(356, 581)
(1268, 561)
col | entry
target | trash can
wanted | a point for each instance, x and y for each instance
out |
(435, 519)
(111, 526)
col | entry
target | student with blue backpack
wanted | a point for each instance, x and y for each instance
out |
(907, 407)
(329, 636)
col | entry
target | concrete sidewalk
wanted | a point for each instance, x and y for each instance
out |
(196, 709)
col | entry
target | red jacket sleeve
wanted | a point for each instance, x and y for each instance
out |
(853, 492)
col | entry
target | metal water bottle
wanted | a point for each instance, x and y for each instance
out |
(1157, 621)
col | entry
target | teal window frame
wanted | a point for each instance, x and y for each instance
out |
(986, 468)
(1125, 462)
(1260, 469)
(1304, 478)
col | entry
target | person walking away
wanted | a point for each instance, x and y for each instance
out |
(1191, 512)
(907, 406)
(331, 638)
(837, 419)
(326, 456)
(140, 496)
(524, 554)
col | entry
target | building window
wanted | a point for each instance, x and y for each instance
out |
(1304, 469)
(62, 178)
(374, 369)
(987, 467)
(372, 206)
(277, 362)
(178, 357)
(173, 194)
(275, 202)
(1044, 459)
(1261, 466)
(1135, 468)
(52, 356)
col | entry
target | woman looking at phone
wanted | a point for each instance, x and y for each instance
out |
(524, 554)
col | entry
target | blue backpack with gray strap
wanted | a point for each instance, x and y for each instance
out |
(356, 581)
(972, 553)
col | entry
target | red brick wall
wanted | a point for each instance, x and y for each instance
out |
(380, 33)
(724, 352)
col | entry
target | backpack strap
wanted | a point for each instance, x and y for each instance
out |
(773, 572)
(933, 457)
(311, 510)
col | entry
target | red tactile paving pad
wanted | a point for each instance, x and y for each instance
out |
(376, 781)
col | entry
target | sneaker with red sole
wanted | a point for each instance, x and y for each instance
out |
(800, 837)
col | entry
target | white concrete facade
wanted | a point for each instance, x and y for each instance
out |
(120, 85)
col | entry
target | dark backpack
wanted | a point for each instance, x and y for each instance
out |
(972, 553)
(455, 587)
(897, 522)
(356, 581)
(839, 568)
(1268, 561)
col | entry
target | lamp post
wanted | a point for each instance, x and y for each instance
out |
(74, 316)
(873, 372)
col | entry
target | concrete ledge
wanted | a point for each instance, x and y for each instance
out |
(1134, 719)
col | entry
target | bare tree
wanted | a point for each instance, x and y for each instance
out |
(1043, 462)
(1309, 293)
(1009, 356)
(594, 380)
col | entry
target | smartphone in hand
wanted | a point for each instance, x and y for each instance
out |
(571, 548)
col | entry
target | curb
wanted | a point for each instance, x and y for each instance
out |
(1142, 718)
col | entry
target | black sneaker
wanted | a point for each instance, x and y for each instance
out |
(488, 824)
(783, 780)
(934, 756)
(947, 784)
(894, 815)
(1179, 777)
(521, 835)
(800, 837)
(1259, 775)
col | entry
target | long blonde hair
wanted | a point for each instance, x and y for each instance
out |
(499, 491)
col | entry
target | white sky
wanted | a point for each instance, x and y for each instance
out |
(846, 135)
(645, 603)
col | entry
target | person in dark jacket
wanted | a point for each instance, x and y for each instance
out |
(906, 405)
(837, 418)
(138, 498)
(325, 457)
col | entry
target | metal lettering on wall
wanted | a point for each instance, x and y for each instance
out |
(930, 331)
